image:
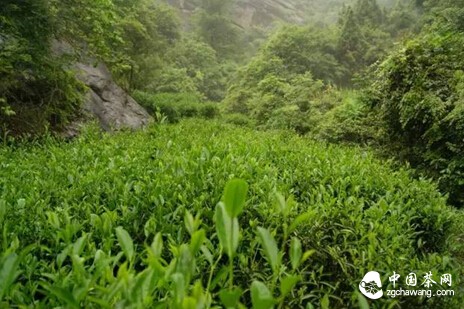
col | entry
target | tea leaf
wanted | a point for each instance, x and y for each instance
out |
(198, 238)
(125, 241)
(269, 247)
(8, 272)
(280, 203)
(234, 197)
(287, 284)
(325, 302)
(298, 221)
(230, 297)
(295, 252)
(261, 297)
(64, 295)
(157, 245)
(227, 230)
(189, 222)
(362, 301)
(307, 255)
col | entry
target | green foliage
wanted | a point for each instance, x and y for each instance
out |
(147, 29)
(346, 119)
(417, 92)
(191, 66)
(87, 24)
(403, 18)
(261, 297)
(277, 88)
(280, 86)
(215, 28)
(177, 105)
(363, 38)
(35, 90)
(238, 119)
(303, 49)
(129, 221)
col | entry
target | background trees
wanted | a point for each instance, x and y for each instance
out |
(140, 41)
(35, 88)
(418, 94)
(301, 78)
(215, 27)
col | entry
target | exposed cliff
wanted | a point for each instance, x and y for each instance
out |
(264, 13)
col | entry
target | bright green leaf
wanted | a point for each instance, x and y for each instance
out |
(8, 273)
(230, 297)
(362, 301)
(261, 297)
(234, 197)
(270, 248)
(295, 252)
(287, 284)
(125, 241)
(325, 302)
(227, 230)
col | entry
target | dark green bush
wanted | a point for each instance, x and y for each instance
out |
(418, 94)
(36, 89)
(347, 120)
(238, 119)
(209, 110)
(177, 105)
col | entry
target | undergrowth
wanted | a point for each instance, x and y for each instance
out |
(203, 214)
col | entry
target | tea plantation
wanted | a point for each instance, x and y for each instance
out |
(203, 214)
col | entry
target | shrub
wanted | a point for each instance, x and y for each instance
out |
(238, 119)
(347, 120)
(37, 90)
(133, 220)
(177, 105)
(209, 110)
(417, 93)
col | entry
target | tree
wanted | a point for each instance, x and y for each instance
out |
(303, 49)
(418, 93)
(214, 27)
(148, 30)
(362, 39)
(278, 86)
(35, 90)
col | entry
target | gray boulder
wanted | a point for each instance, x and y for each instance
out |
(107, 102)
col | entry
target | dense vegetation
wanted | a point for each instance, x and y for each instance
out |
(127, 221)
(313, 153)
(417, 93)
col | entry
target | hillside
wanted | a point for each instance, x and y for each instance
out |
(263, 13)
(132, 220)
(248, 14)
(201, 154)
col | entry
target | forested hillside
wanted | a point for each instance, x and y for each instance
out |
(249, 14)
(283, 152)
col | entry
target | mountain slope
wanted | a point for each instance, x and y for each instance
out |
(264, 13)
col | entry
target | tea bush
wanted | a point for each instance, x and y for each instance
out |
(348, 121)
(238, 119)
(142, 220)
(177, 105)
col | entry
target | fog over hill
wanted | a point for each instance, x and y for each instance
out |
(264, 13)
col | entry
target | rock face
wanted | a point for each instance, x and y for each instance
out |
(109, 103)
(105, 101)
(265, 13)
